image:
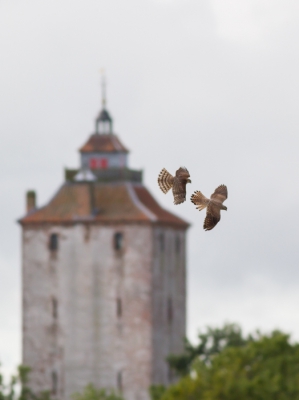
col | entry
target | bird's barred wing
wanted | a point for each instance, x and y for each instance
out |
(199, 200)
(179, 190)
(212, 217)
(179, 185)
(165, 180)
(220, 194)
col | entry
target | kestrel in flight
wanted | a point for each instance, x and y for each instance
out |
(178, 183)
(214, 205)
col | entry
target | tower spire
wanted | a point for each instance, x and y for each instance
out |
(103, 123)
(103, 88)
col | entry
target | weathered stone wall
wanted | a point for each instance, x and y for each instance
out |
(90, 340)
(118, 313)
(169, 300)
(42, 331)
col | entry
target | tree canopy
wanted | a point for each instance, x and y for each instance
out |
(18, 387)
(259, 367)
(90, 392)
(211, 342)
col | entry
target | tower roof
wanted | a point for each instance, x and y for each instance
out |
(103, 143)
(104, 116)
(103, 203)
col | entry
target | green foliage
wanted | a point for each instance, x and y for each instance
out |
(92, 393)
(157, 391)
(212, 342)
(264, 368)
(18, 389)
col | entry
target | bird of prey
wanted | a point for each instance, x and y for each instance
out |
(178, 183)
(214, 205)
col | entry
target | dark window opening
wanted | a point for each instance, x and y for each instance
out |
(119, 381)
(54, 308)
(118, 307)
(118, 241)
(177, 244)
(53, 244)
(162, 242)
(170, 374)
(54, 382)
(169, 310)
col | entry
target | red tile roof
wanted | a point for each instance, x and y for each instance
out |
(162, 215)
(103, 143)
(103, 203)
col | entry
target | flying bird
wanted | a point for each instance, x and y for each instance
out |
(214, 205)
(178, 183)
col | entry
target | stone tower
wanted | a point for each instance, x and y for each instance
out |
(104, 278)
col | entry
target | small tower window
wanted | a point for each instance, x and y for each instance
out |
(53, 243)
(54, 308)
(162, 242)
(119, 381)
(98, 163)
(93, 163)
(104, 163)
(118, 307)
(169, 311)
(177, 244)
(170, 374)
(54, 382)
(118, 241)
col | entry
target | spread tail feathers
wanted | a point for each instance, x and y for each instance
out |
(165, 180)
(199, 200)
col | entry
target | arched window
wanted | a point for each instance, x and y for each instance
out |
(54, 308)
(54, 382)
(119, 381)
(161, 242)
(170, 374)
(53, 242)
(118, 241)
(118, 307)
(177, 244)
(169, 311)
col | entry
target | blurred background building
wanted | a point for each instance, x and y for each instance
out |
(104, 278)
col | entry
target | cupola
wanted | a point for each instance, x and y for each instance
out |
(103, 156)
(103, 122)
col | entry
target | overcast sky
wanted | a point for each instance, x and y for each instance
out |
(212, 85)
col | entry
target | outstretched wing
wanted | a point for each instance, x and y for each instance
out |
(212, 217)
(179, 185)
(179, 191)
(182, 173)
(199, 200)
(220, 194)
(165, 180)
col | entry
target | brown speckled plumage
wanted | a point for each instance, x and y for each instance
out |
(178, 183)
(214, 205)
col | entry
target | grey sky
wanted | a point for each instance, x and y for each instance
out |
(212, 85)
